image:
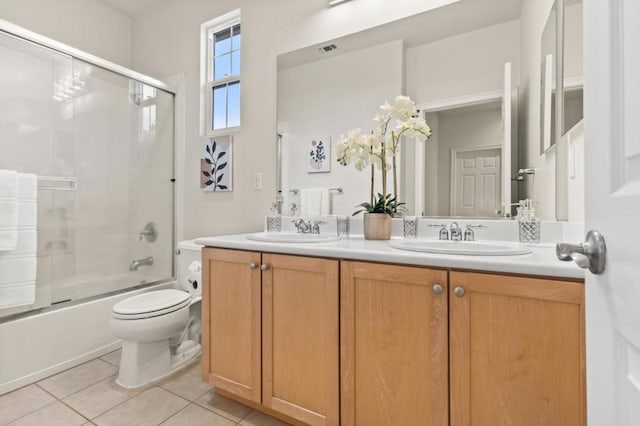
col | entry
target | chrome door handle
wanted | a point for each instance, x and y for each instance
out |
(264, 267)
(253, 265)
(458, 291)
(437, 289)
(592, 254)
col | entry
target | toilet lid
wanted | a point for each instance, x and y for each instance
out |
(153, 303)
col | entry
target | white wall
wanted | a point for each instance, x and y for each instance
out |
(464, 64)
(87, 25)
(317, 99)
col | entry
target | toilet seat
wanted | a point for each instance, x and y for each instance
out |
(151, 304)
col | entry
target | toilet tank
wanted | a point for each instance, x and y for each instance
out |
(188, 253)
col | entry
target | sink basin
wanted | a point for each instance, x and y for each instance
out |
(467, 248)
(285, 237)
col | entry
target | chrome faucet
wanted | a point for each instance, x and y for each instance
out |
(140, 262)
(456, 232)
(302, 226)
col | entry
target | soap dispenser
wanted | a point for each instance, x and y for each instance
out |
(528, 224)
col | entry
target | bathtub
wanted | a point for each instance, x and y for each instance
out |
(36, 346)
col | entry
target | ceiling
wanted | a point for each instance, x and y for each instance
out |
(132, 8)
(457, 18)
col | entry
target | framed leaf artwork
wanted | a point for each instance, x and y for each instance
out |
(216, 164)
(319, 155)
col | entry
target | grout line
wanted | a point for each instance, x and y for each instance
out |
(31, 412)
(122, 402)
(75, 411)
(175, 414)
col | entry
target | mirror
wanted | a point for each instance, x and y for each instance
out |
(452, 62)
(548, 78)
(573, 77)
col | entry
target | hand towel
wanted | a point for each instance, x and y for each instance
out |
(8, 209)
(314, 202)
(18, 267)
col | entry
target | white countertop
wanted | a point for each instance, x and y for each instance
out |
(542, 261)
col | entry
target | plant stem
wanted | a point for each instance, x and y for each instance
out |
(383, 160)
(372, 179)
(394, 141)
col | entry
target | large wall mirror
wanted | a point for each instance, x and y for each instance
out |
(460, 63)
(561, 58)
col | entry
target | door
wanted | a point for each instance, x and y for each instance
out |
(231, 321)
(517, 351)
(393, 341)
(300, 335)
(612, 201)
(476, 182)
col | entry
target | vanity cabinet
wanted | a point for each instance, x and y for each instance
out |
(327, 342)
(393, 345)
(271, 332)
(231, 322)
(516, 350)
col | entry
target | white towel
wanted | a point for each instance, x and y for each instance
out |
(8, 209)
(18, 267)
(314, 202)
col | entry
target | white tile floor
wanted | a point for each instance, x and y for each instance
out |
(87, 394)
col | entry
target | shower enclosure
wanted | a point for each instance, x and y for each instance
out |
(101, 141)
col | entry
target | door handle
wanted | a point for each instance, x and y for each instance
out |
(592, 254)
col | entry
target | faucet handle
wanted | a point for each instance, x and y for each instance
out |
(444, 233)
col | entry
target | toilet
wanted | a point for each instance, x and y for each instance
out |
(160, 329)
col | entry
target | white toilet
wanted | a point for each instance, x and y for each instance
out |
(160, 329)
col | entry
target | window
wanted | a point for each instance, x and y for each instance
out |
(221, 72)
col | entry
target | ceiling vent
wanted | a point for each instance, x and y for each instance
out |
(328, 48)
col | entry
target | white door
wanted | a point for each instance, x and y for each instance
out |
(612, 199)
(476, 182)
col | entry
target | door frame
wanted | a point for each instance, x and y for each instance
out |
(452, 171)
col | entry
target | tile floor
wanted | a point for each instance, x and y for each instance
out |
(87, 394)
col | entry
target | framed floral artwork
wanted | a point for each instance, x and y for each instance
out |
(319, 155)
(216, 164)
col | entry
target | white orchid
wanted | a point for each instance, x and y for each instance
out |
(380, 148)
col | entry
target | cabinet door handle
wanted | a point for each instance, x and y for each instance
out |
(264, 267)
(437, 289)
(253, 265)
(458, 291)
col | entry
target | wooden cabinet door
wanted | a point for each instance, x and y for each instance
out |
(231, 321)
(300, 338)
(393, 345)
(516, 351)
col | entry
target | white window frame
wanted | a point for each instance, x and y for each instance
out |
(206, 73)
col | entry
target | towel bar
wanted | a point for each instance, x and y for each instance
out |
(340, 190)
(57, 183)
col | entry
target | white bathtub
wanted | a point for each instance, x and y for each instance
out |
(39, 345)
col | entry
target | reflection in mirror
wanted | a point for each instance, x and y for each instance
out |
(548, 73)
(451, 62)
(464, 177)
(573, 87)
